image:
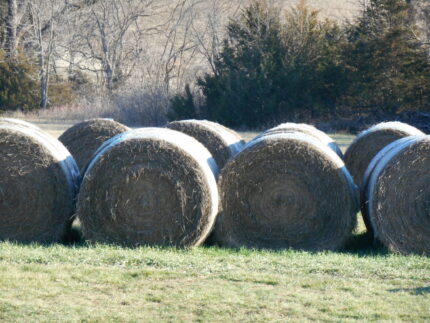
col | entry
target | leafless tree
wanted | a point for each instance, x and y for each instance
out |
(110, 36)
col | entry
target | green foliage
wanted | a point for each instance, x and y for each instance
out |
(388, 68)
(182, 106)
(300, 67)
(18, 86)
(271, 70)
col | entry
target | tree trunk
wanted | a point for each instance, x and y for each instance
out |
(11, 28)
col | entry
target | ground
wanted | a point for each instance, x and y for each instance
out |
(83, 283)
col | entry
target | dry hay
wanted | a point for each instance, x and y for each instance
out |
(308, 130)
(286, 190)
(397, 195)
(19, 122)
(369, 142)
(84, 138)
(222, 143)
(39, 180)
(149, 186)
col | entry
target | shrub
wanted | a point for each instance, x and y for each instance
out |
(18, 84)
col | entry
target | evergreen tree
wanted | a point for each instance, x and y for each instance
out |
(388, 67)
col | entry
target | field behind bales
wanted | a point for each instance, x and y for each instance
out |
(82, 283)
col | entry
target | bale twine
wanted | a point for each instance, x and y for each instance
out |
(308, 130)
(84, 138)
(149, 186)
(18, 122)
(398, 195)
(369, 142)
(38, 183)
(286, 190)
(222, 143)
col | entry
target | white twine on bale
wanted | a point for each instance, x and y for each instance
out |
(369, 142)
(274, 195)
(379, 164)
(397, 125)
(223, 143)
(235, 146)
(60, 153)
(327, 150)
(18, 122)
(188, 145)
(307, 129)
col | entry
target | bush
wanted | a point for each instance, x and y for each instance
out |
(182, 106)
(270, 70)
(19, 88)
(388, 68)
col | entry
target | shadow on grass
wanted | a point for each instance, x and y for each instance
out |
(363, 244)
(73, 237)
(414, 291)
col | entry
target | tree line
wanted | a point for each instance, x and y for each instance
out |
(277, 66)
(243, 63)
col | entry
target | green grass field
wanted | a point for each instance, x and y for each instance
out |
(82, 283)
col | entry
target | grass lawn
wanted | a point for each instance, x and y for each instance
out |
(82, 283)
(112, 284)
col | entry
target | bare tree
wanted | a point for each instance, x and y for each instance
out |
(44, 18)
(14, 24)
(111, 38)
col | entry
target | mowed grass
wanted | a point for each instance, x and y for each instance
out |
(112, 284)
(101, 283)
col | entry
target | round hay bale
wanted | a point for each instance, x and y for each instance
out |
(222, 143)
(84, 138)
(19, 122)
(149, 186)
(369, 142)
(366, 177)
(398, 196)
(39, 181)
(286, 190)
(308, 130)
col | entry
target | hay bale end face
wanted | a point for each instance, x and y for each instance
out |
(222, 143)
(369, 142)
(38, 183)
(149, 187)
(308, 130)
(83, 139)
(398, 196)
(286, 190)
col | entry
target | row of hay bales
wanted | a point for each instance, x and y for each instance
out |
(197, 181)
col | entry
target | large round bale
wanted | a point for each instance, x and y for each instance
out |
(84, 138)
(286, 190)
(366, 177)
(398, 196)
(149, 187)
(308, 130)
(18, 122)
(369, 142)
(222, 143)
(38, 183)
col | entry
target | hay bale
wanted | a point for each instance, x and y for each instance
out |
(39, 180)
(18, 122)
(369, 142)
(149, 186)
(397, 195)
(222, 143)
(286, 190)
(308, 130)
(84, 138)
